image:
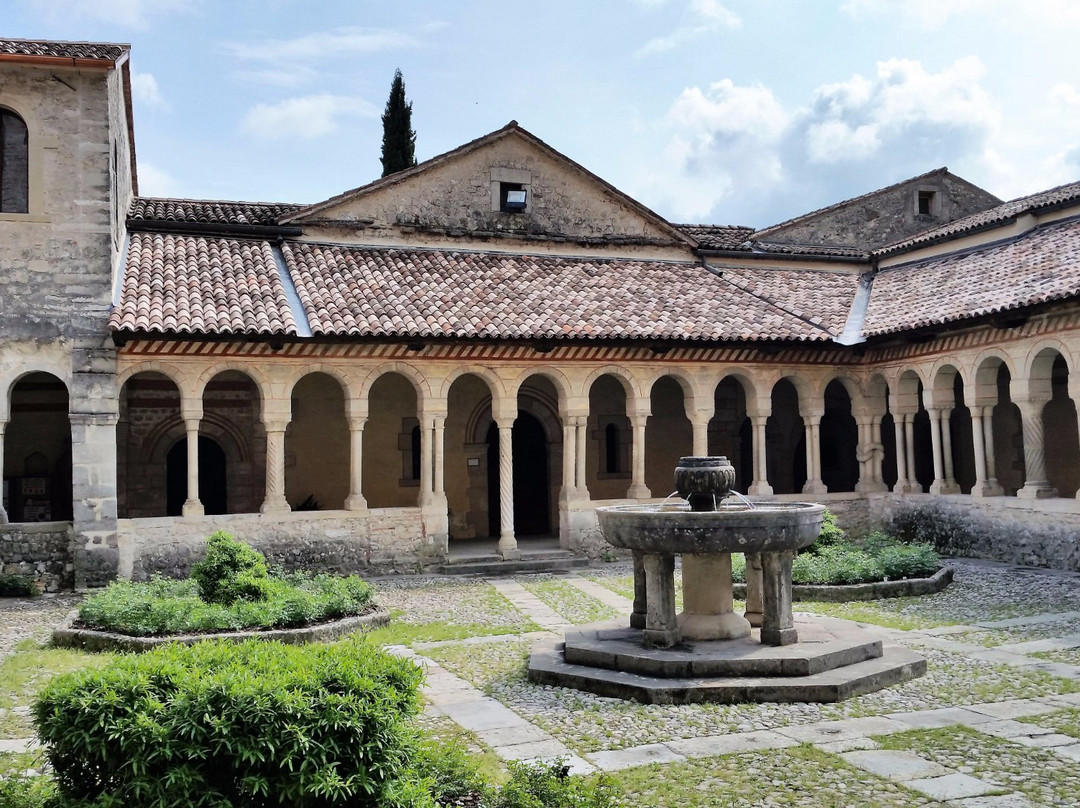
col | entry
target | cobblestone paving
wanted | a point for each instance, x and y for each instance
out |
(985, 727)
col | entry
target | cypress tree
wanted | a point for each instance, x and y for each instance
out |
(399, 139)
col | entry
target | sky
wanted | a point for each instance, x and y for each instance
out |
(713, 111)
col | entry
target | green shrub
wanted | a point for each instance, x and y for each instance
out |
(223, 724)
(231, 571)
(836, 565)
(31, 791)
(550, 785)
(831, 534)
(18, 586)
(166, 606)
(448, 772)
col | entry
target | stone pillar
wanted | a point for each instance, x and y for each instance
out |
(275, 501)
(638, 489)
(760, 486)
(3, 513)
(939, 484)
(508, 547)
(902, 481)
(777, 623)
(192, 506)
(978, 489)
(814, 484)
(951, 486)
(427, 462)
(438, 445)
(707, 608)
(641, 597)
(569, 460)
(1036, 486)
(661, 627)
(992, 485)
(914, 486)
(869, 453)
(356, 500)
(93, 468)
(754, 583)
(581, 427)
(700, 425)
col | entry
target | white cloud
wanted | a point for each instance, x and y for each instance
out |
(934, 14)
(295, 76)
(307, 117)
(1064, 94)
(702, 17)
(324, 44)
(153, 181)
(144, 88)
(125, 13)
(928, 13)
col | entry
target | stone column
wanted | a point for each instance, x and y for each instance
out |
(427, 462)
(979, 487)
(661, 627)
(581, 427)
(992, 485)
(508, 547)
(93, 466)
(193, 505)
(569, 460)
(700, 425)
(778, 623)
(814, 484)
(707, 608)
(754, 583)
(438, 483)
(951, 486)
(869, 453)
(913, 486)
(356, 500)
(1036, 486)
(760, 486)
(937, 486)
(3, 513)
(638, 489)
(275, 501)
(641, 597)
(902, 481)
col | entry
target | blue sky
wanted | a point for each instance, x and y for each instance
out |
(706, 111)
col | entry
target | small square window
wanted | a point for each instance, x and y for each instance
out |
(513, 197)
(926, 201)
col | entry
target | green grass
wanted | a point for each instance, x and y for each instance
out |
(569, 601)
(25, 672)
(399, 632)
(13, 725)
(887, 614)
(1066, 722)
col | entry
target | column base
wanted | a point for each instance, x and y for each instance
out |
(508, 549)
(907, 487)
(815, 487)
(357, 503)
(944, 488)
(760, 489)
(276, 506)
(1037, 490)
(660, 637)
(755, 619)
(192, 507)
(874, 487)
(637, 619)
(725, 626)
(639, 492)
(987, 490)
(779, 636)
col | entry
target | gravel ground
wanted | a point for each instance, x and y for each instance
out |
(1066, 722)
(992, 638)
(1045, 778)
(32, 618)
(568, 600)
(449, 601)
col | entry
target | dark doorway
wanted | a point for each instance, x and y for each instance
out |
(212, 478)
(531, 487)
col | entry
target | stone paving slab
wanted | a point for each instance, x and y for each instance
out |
(1011, 729)
(1044, 741)
(1014, 708)
(1071, 752)
(943, 717)
(850, 745)
(896, 766)
(954, 786)
(618, 759)
(711, 746)
(1039, 646)
(18, 745)
(843, 730)
(1031, 620)
(1000, 801)
(601, 593)
(530, 605)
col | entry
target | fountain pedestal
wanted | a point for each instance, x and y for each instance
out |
(707, 603)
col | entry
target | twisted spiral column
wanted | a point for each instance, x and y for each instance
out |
(508, 547)
(1036, 485)
(275, 501)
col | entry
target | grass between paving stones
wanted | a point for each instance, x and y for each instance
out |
(1066, 722)
(27, 670)
(1069, 656)
(569, 601)
(1039, 774)
(445, 730)
(18, 763)
(15, 725)
(589, 723)
(798, 776)
(993, 637)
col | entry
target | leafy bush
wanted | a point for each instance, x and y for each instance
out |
(242, 725)
(231, 571)
(448, 773)
(831, 534)
(549, 785)
(18, 586)
(33, 791)
(165, 606)
(836, 565)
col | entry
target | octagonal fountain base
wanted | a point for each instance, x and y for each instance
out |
(833, 660)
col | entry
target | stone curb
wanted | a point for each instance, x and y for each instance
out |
(93, 640)
(872, 591)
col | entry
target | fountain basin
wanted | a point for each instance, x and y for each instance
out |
(770, 527)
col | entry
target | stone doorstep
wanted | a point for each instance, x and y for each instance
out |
(547, 666)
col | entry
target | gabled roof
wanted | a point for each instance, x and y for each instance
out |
(512, 129)
(718, 236)
(205, 211)
(94, 51)
(1061, 195)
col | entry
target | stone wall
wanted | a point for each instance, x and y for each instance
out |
(384, 540)
(42, 551)
(1036, 534)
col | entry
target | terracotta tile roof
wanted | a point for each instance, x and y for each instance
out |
(1000, 213)
(63, 50)
(821, 297)
(809, 250)
(1040, 266)
(195, 285)
(207, 211)
(718, 236)
(388, 292)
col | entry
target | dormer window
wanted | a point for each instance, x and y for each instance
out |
(513, 197)
(926, 203)
(14, 164)
(511, 190)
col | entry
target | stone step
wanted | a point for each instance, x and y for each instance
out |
(496, 567)
(897, 664)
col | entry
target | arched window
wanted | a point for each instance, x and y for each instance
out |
(14, 164)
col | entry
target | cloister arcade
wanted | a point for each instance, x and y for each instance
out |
(504, 451)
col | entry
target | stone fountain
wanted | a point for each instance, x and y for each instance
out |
(708, 652)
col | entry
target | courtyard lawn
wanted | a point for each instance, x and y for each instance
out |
(996, 725)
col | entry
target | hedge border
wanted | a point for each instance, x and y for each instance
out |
(840, 593)
(89, 639)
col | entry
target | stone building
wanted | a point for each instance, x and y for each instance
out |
(489, 345)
